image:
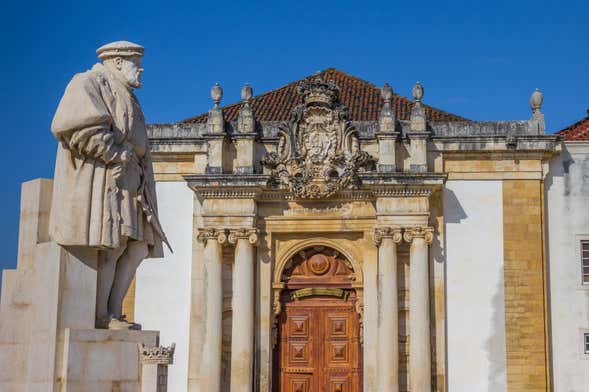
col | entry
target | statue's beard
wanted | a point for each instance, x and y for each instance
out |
(134, 80)
(132, 77)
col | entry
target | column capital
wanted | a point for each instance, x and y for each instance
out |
(425, 232)
(207, 234)
(158, 355)
(251, 235)
(395, 233)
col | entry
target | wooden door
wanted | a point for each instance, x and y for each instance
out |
(319, 346)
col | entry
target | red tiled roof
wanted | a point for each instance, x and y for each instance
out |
(577, 131)
(361, 97)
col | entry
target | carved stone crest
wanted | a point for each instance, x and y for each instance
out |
(318, 152)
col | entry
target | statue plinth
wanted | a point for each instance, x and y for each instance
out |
(47, 314)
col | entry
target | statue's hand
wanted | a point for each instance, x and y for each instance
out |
(126, 157)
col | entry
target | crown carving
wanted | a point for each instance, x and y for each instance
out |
(318, 91)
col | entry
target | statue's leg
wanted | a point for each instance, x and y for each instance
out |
(107, 264)
(126, 266)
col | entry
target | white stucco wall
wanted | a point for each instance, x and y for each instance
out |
(473, 212)
(162, 297)
(567, 198)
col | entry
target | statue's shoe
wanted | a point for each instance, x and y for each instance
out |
(121, 323)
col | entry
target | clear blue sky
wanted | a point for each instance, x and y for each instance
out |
(478, 60)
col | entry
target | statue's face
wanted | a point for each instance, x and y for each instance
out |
(131, 69)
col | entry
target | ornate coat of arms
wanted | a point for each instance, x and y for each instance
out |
(318, 152)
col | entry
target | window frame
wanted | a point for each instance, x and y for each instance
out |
(586, 343)
(584, 246)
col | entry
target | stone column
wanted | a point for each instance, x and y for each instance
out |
(154, 367)
(419, 315)
(387, 135)
(213, 308)
(418, 133)
(215, 134)
(242, 331)
(387, 239)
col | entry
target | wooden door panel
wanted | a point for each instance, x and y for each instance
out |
(337, 354)
(319, 347)
(298, 383)
(338, 325)
(339, 383)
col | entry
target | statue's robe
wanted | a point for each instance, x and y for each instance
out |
(97, 199)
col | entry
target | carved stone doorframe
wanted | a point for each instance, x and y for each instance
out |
(282, 263)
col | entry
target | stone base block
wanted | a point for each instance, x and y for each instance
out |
(102, 360)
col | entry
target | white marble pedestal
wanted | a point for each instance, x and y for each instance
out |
(47, 305)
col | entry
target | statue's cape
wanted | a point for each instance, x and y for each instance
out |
(98, 115)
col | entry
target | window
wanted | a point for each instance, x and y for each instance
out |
(585, 261)
(586, 342)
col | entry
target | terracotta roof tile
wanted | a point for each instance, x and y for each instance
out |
(577, 131)
(361, 97)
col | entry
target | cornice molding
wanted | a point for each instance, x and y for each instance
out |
(256, 187)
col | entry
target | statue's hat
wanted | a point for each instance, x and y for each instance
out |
(119, 49)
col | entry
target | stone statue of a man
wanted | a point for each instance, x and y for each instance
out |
(104, 191)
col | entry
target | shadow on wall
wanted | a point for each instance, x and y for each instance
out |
(495, 345)
(453, 211)
(560, 168)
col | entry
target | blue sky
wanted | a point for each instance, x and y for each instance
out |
(479, 60)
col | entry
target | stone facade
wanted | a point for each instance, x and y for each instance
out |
(401, 218)
(329, 224)
(567, 223)
(525, 286)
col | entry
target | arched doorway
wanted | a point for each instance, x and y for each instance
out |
(318, 333)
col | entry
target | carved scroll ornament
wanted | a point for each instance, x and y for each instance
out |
(318, 152)
(427, 233)
(159, 355)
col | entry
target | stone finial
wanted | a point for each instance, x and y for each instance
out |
(387, 93)
(536, 100)
(245, 120)
(216, 94)
(159, 355)
(537, 123)
(418, 120)
(246, 92)
(417, 92)
(215, 122)
(387, 114)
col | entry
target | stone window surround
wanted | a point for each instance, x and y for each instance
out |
(584, 261)
(583, 335)
(579, 240)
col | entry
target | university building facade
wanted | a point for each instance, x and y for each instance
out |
(332, 235)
